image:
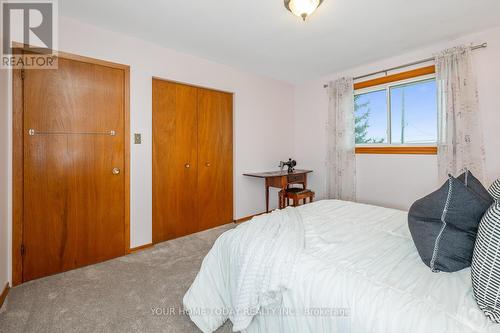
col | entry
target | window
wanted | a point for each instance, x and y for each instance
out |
(398, 114)
(371, 117)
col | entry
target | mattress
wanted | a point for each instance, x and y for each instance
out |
(360, 272)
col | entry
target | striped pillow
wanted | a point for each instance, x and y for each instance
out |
(495, 190)
(486, 264)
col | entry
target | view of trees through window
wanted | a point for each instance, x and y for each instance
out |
(408, 116)
(370, 112)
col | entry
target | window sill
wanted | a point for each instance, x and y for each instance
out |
(398, 150)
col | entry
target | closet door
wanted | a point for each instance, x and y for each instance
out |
(215, 158)
(74, 167)
(174, 160)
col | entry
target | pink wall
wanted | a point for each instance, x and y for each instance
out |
(263, 110)
(4, 172)
(397, 181)
(263, 119)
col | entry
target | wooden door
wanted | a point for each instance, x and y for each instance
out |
(215, 158)
(174, 160)
(74, 206)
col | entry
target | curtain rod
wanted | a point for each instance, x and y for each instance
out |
(475, 47)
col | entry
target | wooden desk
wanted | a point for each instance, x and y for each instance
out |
(281, 180)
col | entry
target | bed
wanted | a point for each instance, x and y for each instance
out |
(357, 270)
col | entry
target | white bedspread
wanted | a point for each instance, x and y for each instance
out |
(358, 272)
(256, 261)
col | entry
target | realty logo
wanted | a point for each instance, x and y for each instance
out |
(29, 34)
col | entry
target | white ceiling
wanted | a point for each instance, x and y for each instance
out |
(262, 37)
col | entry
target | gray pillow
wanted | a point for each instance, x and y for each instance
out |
(475, 185)
(444, 225)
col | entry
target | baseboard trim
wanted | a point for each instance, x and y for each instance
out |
(247, 218)
(140, 248)
(4, 294)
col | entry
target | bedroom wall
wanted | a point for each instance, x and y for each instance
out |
(260, 104)
(4, 167)
(396, 181)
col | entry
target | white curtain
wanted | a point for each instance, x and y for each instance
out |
(460, 140)
(341, 162)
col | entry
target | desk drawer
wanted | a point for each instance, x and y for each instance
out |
(296, 178)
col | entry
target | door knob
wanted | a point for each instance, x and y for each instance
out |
(208, 164)
(116, 171)
(187, 166)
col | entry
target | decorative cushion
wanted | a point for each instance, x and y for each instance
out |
(444, 225)
(494, 190)
(475, 185)
(486, 264)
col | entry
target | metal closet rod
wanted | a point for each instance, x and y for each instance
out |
(475, 47)
(32, 132)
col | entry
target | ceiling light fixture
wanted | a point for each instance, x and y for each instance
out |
(302, 8)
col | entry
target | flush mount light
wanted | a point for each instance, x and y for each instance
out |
(302, 8)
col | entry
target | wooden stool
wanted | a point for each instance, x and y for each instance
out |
(297, 194)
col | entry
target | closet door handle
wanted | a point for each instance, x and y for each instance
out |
(187, 165)
(208, 165)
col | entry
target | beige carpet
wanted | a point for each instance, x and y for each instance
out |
(119, 295)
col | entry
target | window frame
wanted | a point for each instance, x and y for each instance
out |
(386, 83)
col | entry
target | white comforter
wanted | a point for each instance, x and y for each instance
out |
(358, 272)
(256, 260)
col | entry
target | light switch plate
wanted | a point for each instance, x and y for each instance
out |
(137, 138)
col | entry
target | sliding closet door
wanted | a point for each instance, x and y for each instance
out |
(74, 184)
(175, 161)
(215, 158)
